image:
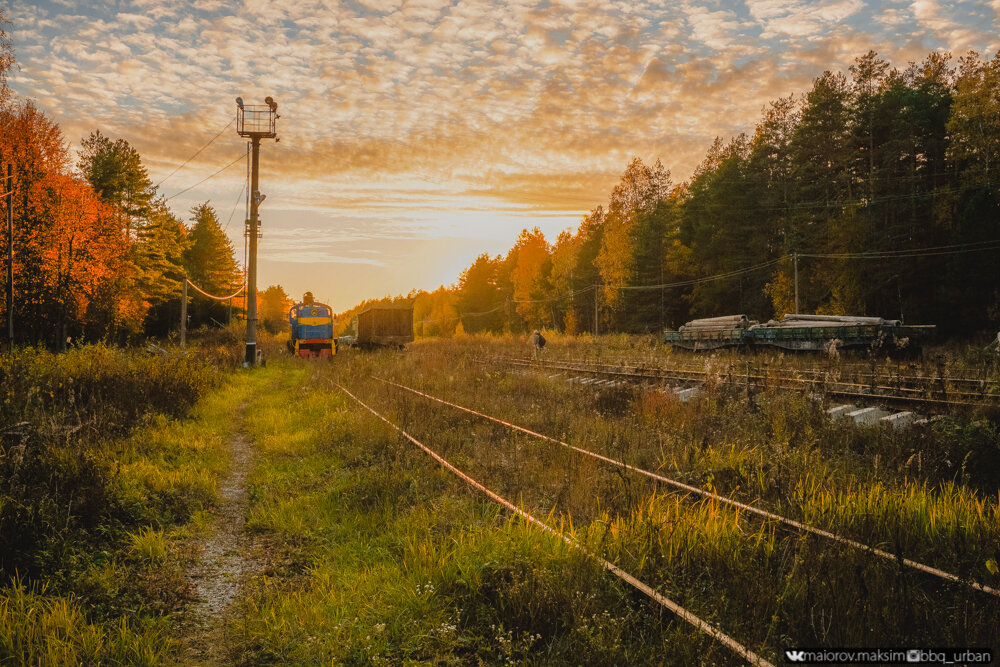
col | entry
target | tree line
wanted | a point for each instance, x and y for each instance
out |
(879, 185)
(97, 252)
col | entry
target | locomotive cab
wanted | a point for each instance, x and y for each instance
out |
(312, 330)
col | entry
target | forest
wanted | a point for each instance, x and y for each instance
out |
(880, 184)
(98, 255)
(877, 188)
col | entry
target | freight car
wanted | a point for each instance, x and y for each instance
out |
(382, 326)
(801, 332)
(312, 330)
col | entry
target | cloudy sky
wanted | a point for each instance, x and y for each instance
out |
(416, 134)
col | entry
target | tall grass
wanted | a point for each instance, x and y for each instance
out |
(375, 555)
(92, 472)
(38, 628)
(900, 490)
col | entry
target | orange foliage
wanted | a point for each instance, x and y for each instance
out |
(68, 251)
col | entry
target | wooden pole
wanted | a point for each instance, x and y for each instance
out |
(184, 311)
(795, 259)
(10, 256)
(597, 292)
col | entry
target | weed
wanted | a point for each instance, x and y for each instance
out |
(149, 545)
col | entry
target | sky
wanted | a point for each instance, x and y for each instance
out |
(415, 135)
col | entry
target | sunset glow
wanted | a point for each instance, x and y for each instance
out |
(416, 135)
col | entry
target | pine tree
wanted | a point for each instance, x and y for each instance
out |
(210, 264)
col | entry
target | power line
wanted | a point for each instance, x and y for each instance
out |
(235, 204)
(245, 188)
(458, 317)
(212, 296)
(957, 249)
(196, 153)
(206, 178)
(680, 283)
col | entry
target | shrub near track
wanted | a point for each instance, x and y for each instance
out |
(83, 571)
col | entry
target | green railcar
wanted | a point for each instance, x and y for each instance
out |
(801, 332)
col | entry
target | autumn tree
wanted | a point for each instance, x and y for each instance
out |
(273, 304)
(529, 278)
(67, 250)
(586, 275)
(7, 59)
(632, 250)
(434, 313)
(156, 239)
(480, 301)
(563, 259)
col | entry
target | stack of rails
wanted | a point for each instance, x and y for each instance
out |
(711, 333)
(800, 332)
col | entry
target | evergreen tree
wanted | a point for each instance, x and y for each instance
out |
(114, 169)
(210, 264)
(631, 252)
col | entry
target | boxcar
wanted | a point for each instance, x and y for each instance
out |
(384, 326)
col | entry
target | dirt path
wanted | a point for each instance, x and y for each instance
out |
(223, 563)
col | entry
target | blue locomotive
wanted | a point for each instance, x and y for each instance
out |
(312, 330)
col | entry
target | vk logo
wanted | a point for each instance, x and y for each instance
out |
(795, 656)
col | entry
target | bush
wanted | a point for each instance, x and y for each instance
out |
(61, 411)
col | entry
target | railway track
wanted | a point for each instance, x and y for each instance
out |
(743, 507)
(888, 391)
(750, 509)
(737, 648)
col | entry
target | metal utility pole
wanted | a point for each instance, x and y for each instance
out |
(10, 257)
(255, 122)
(184, 311)
(795, 260)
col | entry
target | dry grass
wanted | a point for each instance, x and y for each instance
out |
(778, 451)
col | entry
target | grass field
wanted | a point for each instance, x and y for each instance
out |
(355, 547)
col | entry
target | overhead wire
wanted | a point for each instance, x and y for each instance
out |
(954, 249)
(213, 175)
(235, 204)
(196, 153)
(246, 184)
(214, 297)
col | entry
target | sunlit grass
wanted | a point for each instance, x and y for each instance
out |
(37, 628)
(375, 555)
(890, 489)
(149, 545)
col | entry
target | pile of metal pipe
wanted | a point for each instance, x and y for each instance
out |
(717, 323)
